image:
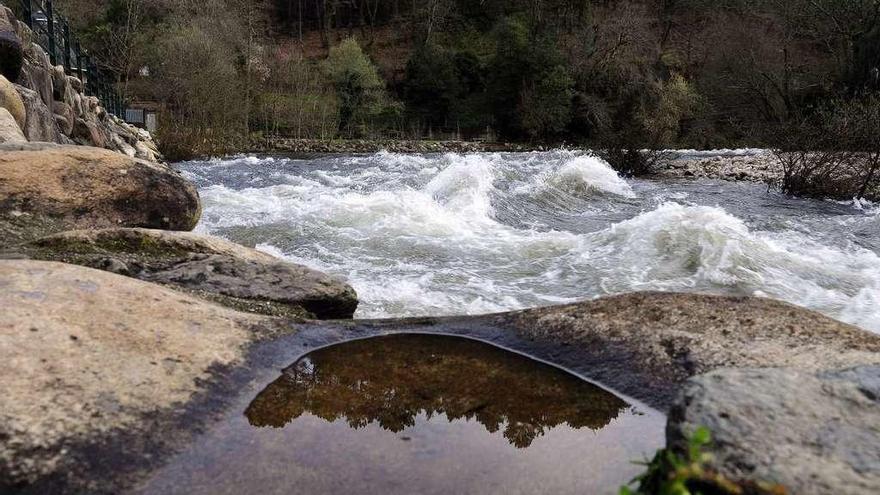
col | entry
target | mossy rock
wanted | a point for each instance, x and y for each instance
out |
(212, 268)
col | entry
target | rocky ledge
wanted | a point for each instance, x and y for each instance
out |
(39, 102)
(212, 268)
(107, 376)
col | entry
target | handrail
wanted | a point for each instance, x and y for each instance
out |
(53, 34)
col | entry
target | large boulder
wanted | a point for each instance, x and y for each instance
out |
(647, 344)
(85, 354)
(814, 433)
(40, 121)
(11, 100)
(9, 130)
(243, 278)
(91, 187)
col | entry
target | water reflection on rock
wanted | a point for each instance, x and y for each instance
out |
(391, 380)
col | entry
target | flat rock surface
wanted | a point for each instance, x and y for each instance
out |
(669, 337)
(91, 361)
(84, 353)
(814, 433)
(92, 187)
(243, 278)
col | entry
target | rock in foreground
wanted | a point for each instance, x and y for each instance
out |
(230, 274)
(92, 187)
(813, 433)
(84, 353)
(105, 377)
(665, 338)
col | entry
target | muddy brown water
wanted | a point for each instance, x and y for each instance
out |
(426, 414)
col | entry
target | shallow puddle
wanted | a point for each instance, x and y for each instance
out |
(419, 414)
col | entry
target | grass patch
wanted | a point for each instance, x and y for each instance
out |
(690, 473)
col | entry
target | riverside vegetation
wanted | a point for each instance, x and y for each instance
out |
(622, 76)
(125, 339)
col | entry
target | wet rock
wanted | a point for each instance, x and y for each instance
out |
(814, 433)
(91, 187)
(647, 344)
(9, 130)
(230, 274)
(12, 102)
(763, 168)
(278, 282)
(86, 354)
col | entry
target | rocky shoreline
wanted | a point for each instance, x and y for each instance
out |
(760, 167)
(754, 166)
(355, 146)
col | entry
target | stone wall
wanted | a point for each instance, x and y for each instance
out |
(39, 102)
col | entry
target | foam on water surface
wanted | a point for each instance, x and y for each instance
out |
(450, 234)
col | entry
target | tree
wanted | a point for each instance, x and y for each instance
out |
(545, 105)
(529, 84)
(359, 88)
(431, 84)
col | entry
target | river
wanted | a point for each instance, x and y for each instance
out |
(450, 234)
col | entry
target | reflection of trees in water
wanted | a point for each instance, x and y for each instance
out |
(390, 380)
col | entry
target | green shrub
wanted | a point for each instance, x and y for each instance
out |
(360, 91)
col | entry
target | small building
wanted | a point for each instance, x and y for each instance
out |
(143, 114)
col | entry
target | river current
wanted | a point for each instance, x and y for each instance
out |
(451, 234)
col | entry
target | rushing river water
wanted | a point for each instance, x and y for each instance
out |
(478, 233)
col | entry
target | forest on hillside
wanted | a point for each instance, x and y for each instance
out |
(618, 74)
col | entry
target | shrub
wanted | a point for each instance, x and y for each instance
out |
(834, 152)
(669, 473)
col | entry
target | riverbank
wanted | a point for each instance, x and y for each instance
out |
(350, 146)
(752, 165)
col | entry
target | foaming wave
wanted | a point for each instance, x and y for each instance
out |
(586, 174)
(679, 247)
(465, 186)
(476, 233)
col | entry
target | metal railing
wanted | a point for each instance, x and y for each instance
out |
(53, 34)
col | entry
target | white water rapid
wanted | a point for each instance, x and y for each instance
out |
(454, 234)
